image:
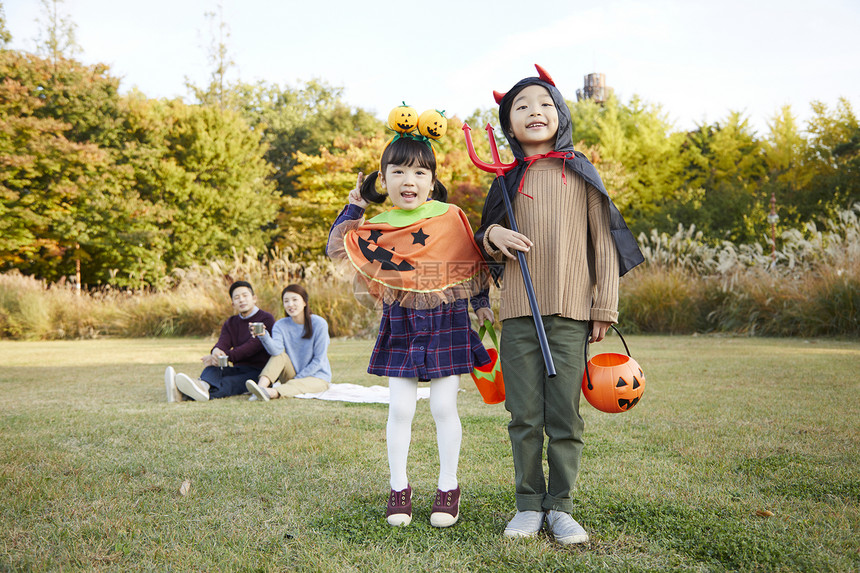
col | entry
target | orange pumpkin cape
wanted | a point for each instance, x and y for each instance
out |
(420, 258)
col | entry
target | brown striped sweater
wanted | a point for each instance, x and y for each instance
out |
(573, 262)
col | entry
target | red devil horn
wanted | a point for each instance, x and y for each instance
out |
(498, 96)
(543, 75)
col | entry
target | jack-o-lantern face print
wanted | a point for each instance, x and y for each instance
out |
(613, 383)
(628, 392)
(384, 257)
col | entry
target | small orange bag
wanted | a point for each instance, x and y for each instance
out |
(488, 378)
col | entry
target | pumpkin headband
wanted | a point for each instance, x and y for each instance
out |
(427, 127)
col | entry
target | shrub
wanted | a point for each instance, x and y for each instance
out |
(810, 288)
(23, 312)
(191, 301)
(659, 299)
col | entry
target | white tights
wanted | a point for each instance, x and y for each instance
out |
(449, 431)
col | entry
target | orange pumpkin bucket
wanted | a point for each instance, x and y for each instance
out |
(613, 383)
(488, 378)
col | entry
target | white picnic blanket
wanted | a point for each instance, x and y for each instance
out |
(358, 393)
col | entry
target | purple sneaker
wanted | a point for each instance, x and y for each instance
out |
(399, 510)
(446, 508)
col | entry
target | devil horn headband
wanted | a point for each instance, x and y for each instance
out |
(542, 74)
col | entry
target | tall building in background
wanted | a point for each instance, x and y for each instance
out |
(594, 88)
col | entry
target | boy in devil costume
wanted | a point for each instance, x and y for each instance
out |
(577, 246)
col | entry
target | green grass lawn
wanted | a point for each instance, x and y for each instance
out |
(92, 459)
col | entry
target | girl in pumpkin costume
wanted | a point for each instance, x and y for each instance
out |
(419, 261)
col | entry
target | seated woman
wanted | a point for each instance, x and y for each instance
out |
(298, 347)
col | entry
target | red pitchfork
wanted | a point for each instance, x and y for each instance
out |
(500, 169)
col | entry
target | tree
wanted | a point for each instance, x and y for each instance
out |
(304, 120)
(585, 118)
(724, 169)
(229, 200)
(5, 36)
(219, 92)
(834, 142)
(202, 174)
(785, 149)
(325, 180)
(637, 154)
(57, 37)
(787, 156)
(129, 187)
(57, 181)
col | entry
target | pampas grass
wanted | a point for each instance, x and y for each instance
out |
(809, 286)
(191, 302)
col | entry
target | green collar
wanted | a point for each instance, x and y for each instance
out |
(403, 218)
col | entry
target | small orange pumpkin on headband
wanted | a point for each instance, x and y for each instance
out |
(403, 118)
(432, 123)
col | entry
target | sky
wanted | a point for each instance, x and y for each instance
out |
(697, 60)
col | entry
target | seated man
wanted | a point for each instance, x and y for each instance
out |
(245, 352)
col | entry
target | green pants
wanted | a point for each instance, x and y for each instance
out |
(540, 404)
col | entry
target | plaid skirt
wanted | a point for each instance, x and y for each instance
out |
(426, 344)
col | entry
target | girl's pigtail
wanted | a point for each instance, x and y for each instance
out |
(368, 189)
(439, 193)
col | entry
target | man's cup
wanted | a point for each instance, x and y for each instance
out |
(222, 361)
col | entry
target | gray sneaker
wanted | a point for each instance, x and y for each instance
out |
(564, 528)
(173, 393)
(525, 524)
(194, 389)
(255, 390)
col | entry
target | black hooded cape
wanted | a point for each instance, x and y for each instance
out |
(629, 254)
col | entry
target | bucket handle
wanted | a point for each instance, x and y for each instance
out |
(488, 328)
(587, 375)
